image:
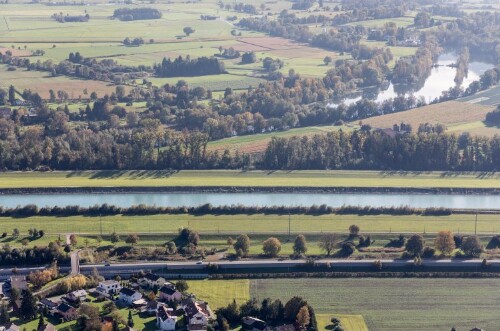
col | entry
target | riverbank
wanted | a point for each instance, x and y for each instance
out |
(246, 189)
(235, 181)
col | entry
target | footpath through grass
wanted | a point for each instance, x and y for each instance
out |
(228, 178)
(396, 304)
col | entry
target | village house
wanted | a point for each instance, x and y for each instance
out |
(169, 293)
(151, 280)
(67, 312)
(128, 296)
(165, 318)
(9, 327)
(198, 314)
(48, 304)
(79, 295)
(18, 282)
(254, 324)
(47, 327)
(108, 287)
(152, 307)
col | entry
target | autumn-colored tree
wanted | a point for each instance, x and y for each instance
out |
(444, 242)
(303, 317)
(73, 240)
(271, 247)
(300, 245)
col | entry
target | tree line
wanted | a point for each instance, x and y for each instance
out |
(189, 67)
(133, 14)
(380, 151)
(208, 209)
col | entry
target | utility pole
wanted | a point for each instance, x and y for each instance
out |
(289, 226)
(100, 223)
(475, 225)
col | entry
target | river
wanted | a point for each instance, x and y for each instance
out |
(440, 79)
(461, 201)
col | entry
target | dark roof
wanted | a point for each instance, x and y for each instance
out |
(152, 304)
(127, 291)
(169, 290)
(64, 307)
(163, 313)
(152, 277)
(48, 303)
(254, 323)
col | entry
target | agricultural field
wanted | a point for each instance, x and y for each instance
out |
(28, 27)
(234, 178)
(42, 83)
(257, 143)
(458, 117)
(395, 304)
(258, 224)
(348, 322)
(221, 293)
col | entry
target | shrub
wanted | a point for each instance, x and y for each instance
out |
(428, 252)
(347, 249)
(494, 243)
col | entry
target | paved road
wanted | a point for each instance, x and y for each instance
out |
(263, 264)
(193, 266)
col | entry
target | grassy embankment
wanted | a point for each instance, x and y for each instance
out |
(249, 179)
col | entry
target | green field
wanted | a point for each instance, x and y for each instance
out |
(257, 143)
(228, 178)
(156, 230)
(221, 293)
(396, 304)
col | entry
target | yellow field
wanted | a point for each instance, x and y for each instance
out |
(349, 322)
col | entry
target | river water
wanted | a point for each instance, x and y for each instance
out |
(255, 199)
(441, 79)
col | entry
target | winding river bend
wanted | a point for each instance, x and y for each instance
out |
(440, 79)
(456, 201)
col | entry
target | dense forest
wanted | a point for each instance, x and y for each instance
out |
(185, 67)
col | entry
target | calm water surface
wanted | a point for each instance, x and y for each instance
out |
(255, 199)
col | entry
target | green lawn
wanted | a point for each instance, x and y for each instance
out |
(396, 304)
(249, 179)
(220, 293)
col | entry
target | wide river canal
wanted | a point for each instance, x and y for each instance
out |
(459, 201)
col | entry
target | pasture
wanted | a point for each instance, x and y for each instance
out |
(235, 178)
(221, 293)
(257, 143)
(257, 224)
(41, 82)
(395, 304)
